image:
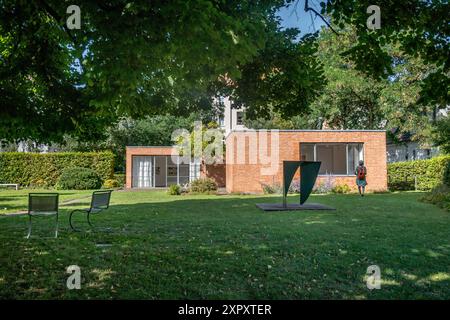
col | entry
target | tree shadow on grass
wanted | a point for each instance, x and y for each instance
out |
(227, 248)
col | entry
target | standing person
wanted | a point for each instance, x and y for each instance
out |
(361, 172)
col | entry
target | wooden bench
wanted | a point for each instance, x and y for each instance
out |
(15, 185)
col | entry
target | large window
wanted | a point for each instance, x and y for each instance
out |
(162, 171)
(336, 158)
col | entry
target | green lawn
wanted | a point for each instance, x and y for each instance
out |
(208, 247)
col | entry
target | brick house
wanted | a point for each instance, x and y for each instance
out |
(254, 158)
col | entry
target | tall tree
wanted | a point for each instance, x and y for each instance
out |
(129, 58)
(420, 29)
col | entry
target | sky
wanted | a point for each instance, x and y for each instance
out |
(295, 16)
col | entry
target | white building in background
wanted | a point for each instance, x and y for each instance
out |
(408, 151)
(232, 119)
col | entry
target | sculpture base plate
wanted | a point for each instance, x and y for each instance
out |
(292, 206)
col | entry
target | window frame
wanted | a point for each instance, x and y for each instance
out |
(239, 118)
(314, 144)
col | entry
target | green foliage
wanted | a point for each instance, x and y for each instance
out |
(208, 140)
(110, 184)
(44, 169)
(419, 28)
(341, 189)
(129, 58)
(439, 196)
(149, 131)
(274, 120)
(79, 178)
(203, 185)
(355, 100)
(441, 134)
(429, 173)
(274, 188)
(120, 178)
(174, 190)
(285, 76)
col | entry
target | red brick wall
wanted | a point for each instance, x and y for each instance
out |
(216, 172)
(247, 177)
(144, 151)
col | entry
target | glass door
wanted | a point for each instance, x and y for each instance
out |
(143, 172)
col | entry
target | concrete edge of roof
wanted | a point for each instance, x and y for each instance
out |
(134, 147)
(301, 130)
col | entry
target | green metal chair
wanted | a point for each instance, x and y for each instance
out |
(99, 202)
(42, 204)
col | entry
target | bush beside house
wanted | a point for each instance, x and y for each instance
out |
(423, 175)
(45, 169)
(203, 185)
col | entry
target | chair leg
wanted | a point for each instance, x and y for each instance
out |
(29, 227)
(56, 229)
(70, 221)
(89, 220)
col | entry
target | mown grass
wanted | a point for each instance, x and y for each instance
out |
(207, 247)
(12, 201)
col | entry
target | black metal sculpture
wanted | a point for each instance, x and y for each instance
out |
(308, 175)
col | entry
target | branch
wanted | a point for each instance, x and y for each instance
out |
(308, 8)
(56, 17)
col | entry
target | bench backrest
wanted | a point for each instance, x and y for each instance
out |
(100, 199)
(43, 202)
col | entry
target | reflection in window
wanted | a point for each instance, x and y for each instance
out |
(240, 118)
(336, 158)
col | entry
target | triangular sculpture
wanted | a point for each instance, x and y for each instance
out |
(308, 175)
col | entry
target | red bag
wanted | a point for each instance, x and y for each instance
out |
(361, 173)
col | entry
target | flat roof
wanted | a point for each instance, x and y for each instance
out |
(150, 147)
(308, 130)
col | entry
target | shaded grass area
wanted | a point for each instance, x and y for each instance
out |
(12, 201)
(206, 247)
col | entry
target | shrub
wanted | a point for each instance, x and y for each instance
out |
(429, 174)
(272, 188)
(78, 178)
(44, 169)
(325, 186)
(295, 186)
(174, 190)
(111, 183)
(120, 177)
(341, 188)
(203, 185)
(439, 196)
(447, 175)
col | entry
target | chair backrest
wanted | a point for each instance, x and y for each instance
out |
(43, 202)
(100, 199)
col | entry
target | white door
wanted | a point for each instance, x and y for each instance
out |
(142, 172)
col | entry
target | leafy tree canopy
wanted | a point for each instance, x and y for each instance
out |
(129, 58)
(419, 28)
(141, 58)
(351, 99)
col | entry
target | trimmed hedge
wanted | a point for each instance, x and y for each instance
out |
(44, 169)
(430, 173)
(78, 178)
